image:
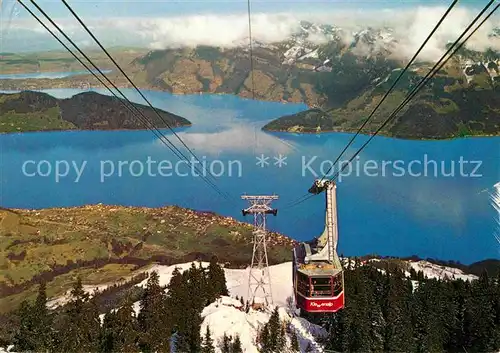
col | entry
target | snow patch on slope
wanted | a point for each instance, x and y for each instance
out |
(431, 270)
(281, 275)
(226, 315)
(223, 318)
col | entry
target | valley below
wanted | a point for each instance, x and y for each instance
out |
(107, 243)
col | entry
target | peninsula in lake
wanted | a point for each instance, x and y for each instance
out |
(37, 111)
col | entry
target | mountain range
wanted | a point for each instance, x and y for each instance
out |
(342, 76)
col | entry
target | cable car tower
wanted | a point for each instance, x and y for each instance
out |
(259, 277)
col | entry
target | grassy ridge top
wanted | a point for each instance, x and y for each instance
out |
(107, 243)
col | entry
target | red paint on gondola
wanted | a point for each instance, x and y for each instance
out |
(323, 305)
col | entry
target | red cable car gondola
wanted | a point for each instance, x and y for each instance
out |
(318, 277)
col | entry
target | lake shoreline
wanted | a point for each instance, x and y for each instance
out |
(88, 130)
(348, 131)
(75, 84)
(282, 131)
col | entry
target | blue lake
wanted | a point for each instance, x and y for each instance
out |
(382, 208)
(45, 75)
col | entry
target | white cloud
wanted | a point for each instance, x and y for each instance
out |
(424, 20)
(411, 27)
(224, 31)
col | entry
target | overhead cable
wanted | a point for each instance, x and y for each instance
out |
(130, 106)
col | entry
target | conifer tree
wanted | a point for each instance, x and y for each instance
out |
(35, 329)
(176, 298)
(153, 317)
(127, 329)
(294, 342)
(91, 326)
(195, 286)
(265, 340)
(281, 344)
(496, 308)
(272, 334)
(42, 320)
(340, 337)
(107, 337)
(23, 338)
(187, 299)
(274, 330)
(398, 332)
(216, 280)
(362, 302)
(193, 334)
(81, 325)
(193, 282)
(208, 343)
(205, 286)
(226, 344)
(236, 345)
(481, 316)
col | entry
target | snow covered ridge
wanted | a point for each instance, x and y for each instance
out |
(281, 278)
(305, 41)
(226, 315)
(431, 270)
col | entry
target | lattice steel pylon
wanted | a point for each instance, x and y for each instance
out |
(260, 207)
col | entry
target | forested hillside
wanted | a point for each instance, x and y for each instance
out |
(386, 311)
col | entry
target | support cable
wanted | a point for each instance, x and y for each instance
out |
(127, 77)
(452, 5)
(250, 45)
(143, 119)
(435, 69)
(439, 65)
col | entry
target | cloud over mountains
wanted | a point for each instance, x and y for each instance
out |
(411, 27)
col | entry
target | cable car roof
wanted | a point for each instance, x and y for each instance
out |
(319, 269)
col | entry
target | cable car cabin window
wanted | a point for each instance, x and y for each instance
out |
(337, 285)
(303, 284)
(321, 287)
